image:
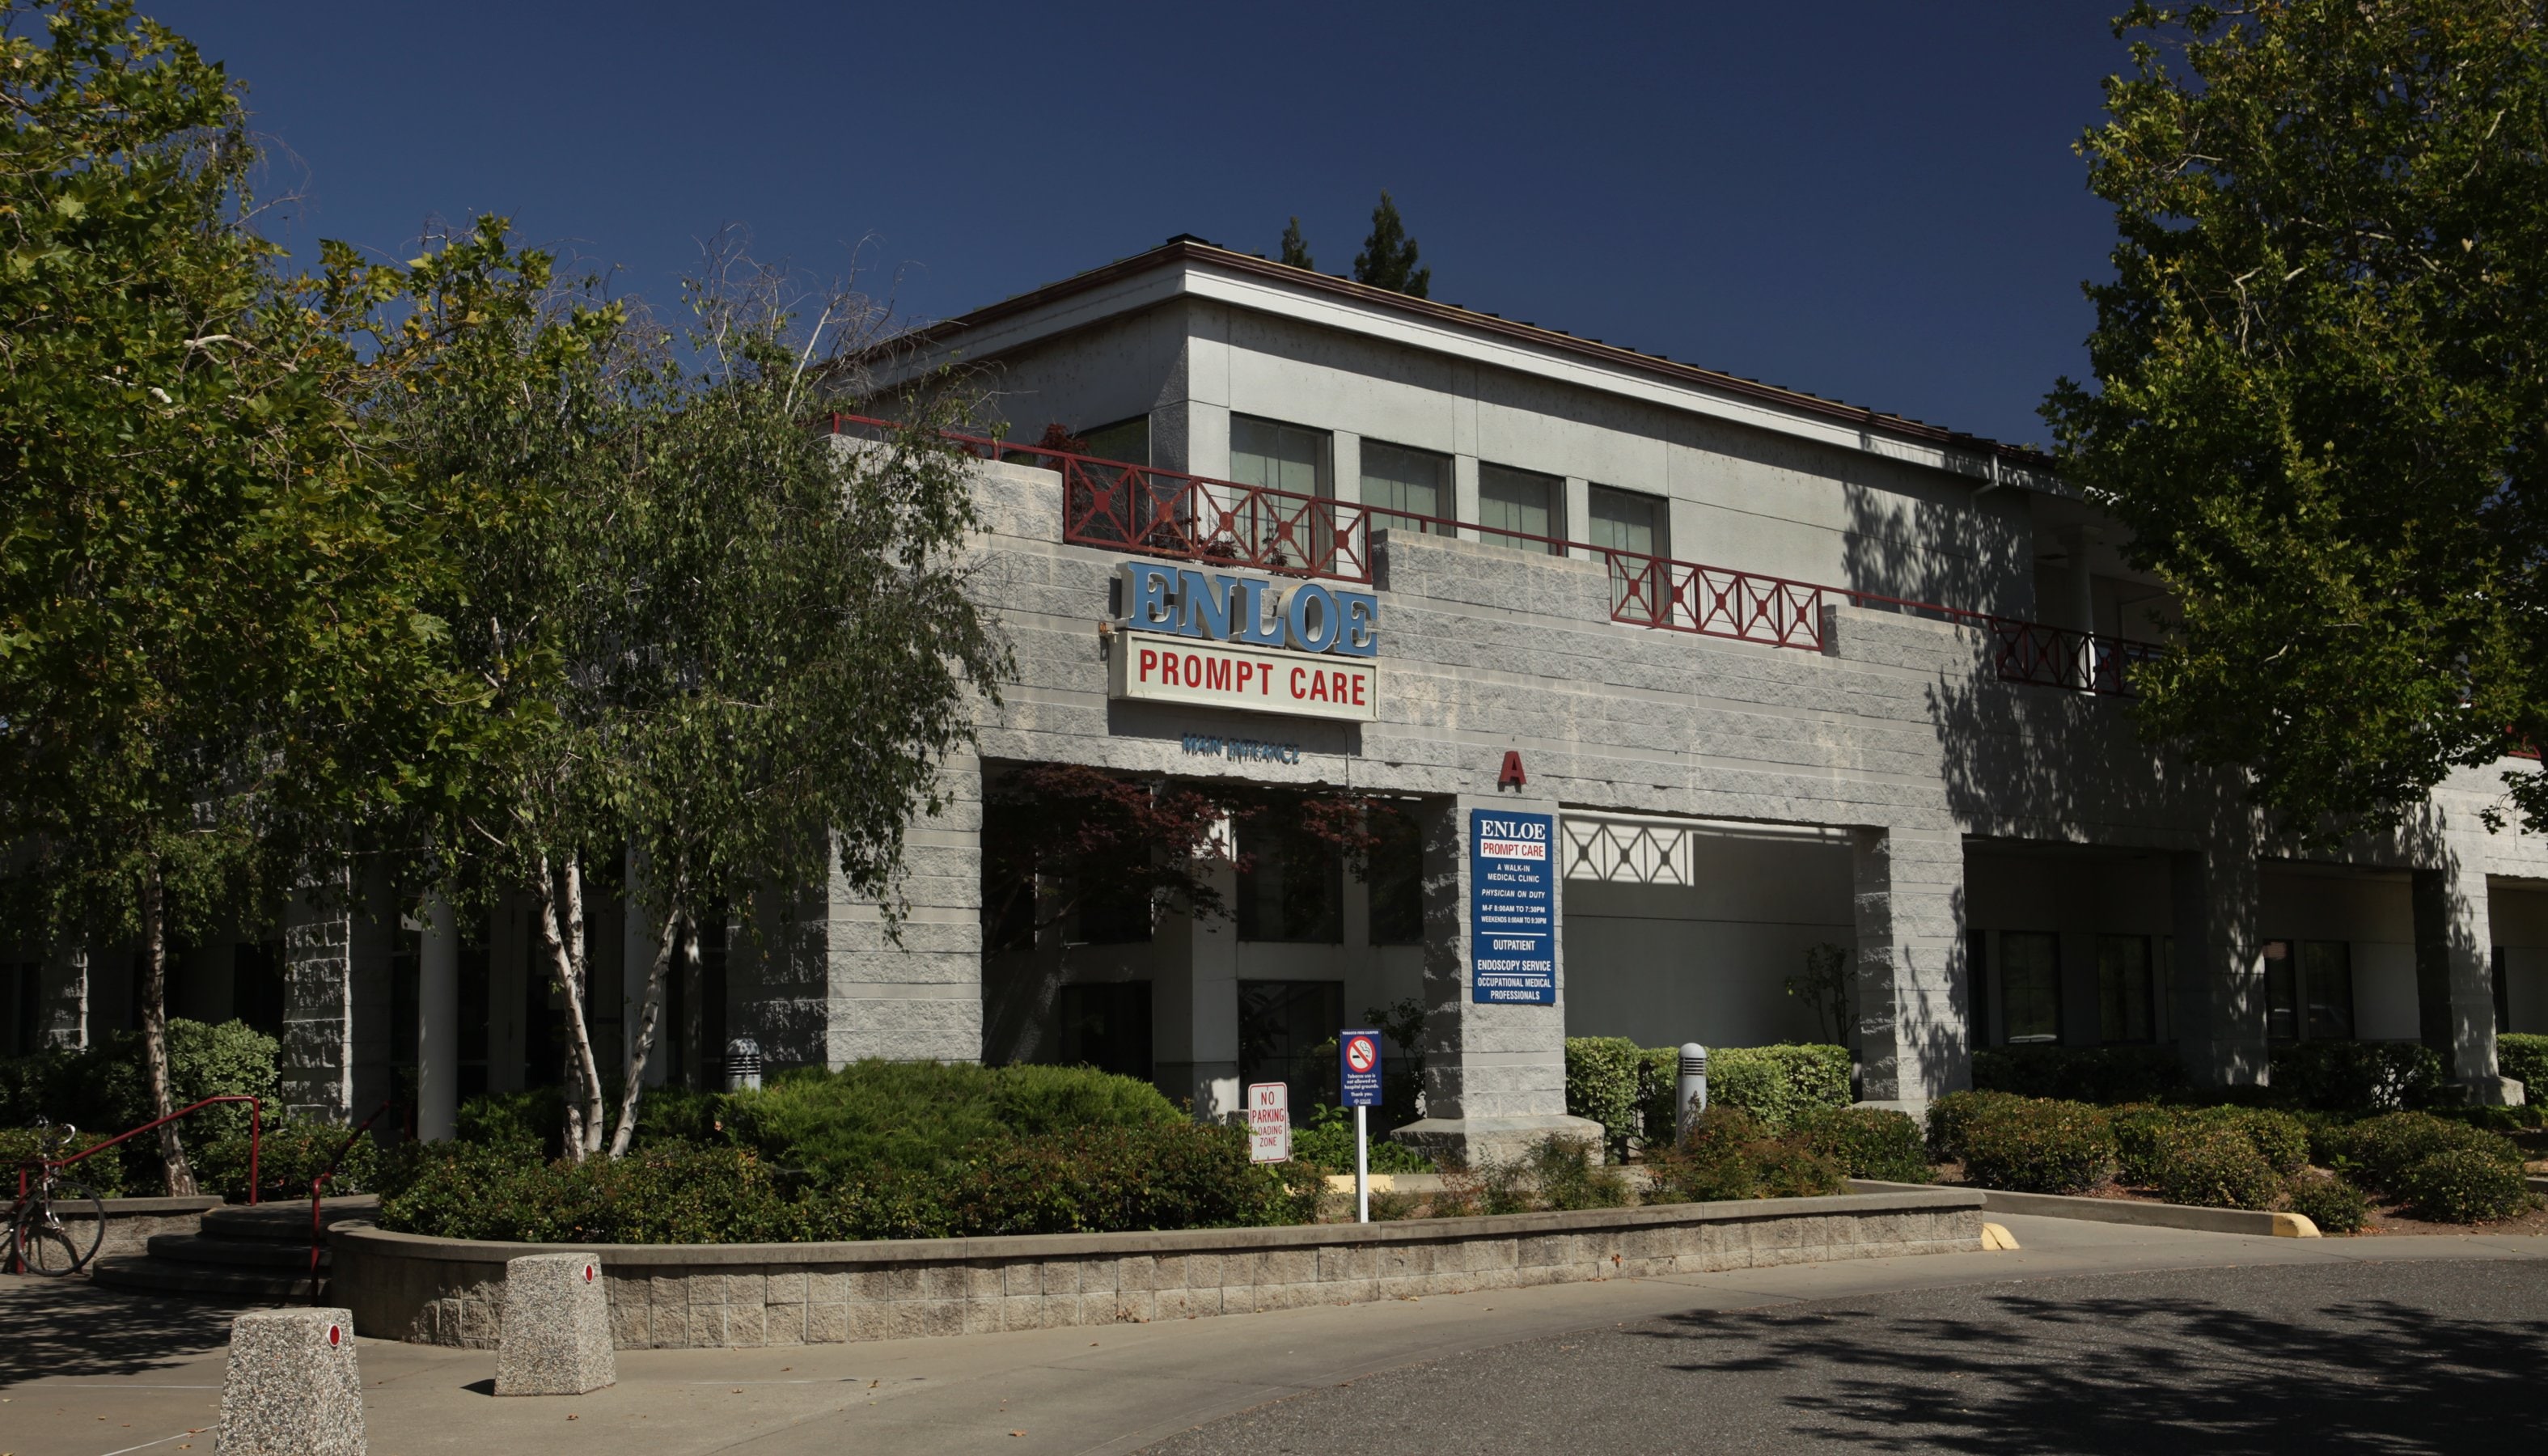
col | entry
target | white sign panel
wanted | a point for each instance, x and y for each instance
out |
(1183, 670)
(1269, 1123)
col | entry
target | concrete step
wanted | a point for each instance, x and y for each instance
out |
(286, 1223)
(235, 1253)
(142, 1274)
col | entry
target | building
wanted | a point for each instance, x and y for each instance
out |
(1776, 673)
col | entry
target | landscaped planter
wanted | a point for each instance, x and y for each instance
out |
(450, 1292)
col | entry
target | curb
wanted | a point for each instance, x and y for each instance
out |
(2249, 1222)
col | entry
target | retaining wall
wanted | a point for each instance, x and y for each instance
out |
(450, 1292)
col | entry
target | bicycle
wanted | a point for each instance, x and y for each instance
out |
(56, 1225)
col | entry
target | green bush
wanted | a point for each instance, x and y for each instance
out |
(293, 1152)
(101, 1175)
(528, 1122)
(2144, 1136)
(2357, 1076)
(2101, 1074)
(1949, 1116)
(106, 1090)
(2523, 1056)
(2465, 1185)
(1778, 1084)
(1326, 1143)
(1729, 1154)
(1603, 1082)
(2038, 1145)
(2381, 1150)
(2330, 1200)
(2213, 1165)
(1868, 1142)
(875, 1115)
(1568, 1173)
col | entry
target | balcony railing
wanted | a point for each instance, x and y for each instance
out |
(1118, 505)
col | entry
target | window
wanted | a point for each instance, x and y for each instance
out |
(23, 981)
(2282, 992)
(257, 987)
(2327, 971)
(1113, 911)
(2124, 990)
(1512, 499)
(1294, 886)
(1411, 483)
(2502, 996)
(1977, 988)
(1394, 872)
(1124, 440)
(1107, 1026)
(1286, 1031)
(1278, 457)
(2029, 987)
(1624, 521)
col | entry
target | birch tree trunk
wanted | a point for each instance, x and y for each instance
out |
(643, 1045)
(175, 1173)
(566, 960)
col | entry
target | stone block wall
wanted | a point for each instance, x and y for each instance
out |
(451, 1292)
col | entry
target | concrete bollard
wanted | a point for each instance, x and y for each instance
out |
(292, 1387)
(1691, 1098)
(557, 1328)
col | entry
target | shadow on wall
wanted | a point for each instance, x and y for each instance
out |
(1952, 547)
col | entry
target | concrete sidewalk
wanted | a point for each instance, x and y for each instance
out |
(89, 1373)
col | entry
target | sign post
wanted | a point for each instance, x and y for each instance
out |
(1358, 1075)
(1269, 1123)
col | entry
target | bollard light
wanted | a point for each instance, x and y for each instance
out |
(1694, 1086)
(742, 1064)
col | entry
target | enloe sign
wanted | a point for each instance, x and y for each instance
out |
(1210, 675)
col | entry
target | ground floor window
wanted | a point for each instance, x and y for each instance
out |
(2029, 987)
(2282, 992)
(1394, 876)
(2326, 969)
(2125, 993)
(1286, 1031)
(1293, 887)
(1107, 1025)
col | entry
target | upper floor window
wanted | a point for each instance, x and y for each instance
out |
(1521, 502)
(1625, 520)
(1399, 482)
(1124, 440)
(1278, 457)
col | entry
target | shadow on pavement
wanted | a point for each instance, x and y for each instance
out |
(70, 1326)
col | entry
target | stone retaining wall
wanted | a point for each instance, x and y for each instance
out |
(450, 1292)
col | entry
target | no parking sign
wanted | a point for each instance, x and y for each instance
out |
(1358, 1067)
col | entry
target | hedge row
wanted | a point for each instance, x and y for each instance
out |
(103, 1090)
(2328, 1076)
(1631, 1090)
(2523, 1056)
(2446, 1170)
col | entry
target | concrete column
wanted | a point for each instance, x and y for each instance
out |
(1463, 504)
(2454, 980)
(316, 1059)
(438, 1024)
(1909, 991)
(2220, 1011)
(1194, 1007)
(1495, 1075)
(62, 1007)
(1344, 460)
(1578, 516)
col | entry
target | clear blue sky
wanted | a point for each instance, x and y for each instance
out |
(1874, 201)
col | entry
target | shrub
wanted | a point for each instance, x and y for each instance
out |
(1951, 1114)
(1326, 1143)
(2037, 1145)
(2465, 1185)
(2102, 1074)
(101, 1175)
(2330, 1200)
(2213, 1165)
(1729, 1154)
(529, 1121)
(1868, 1142)
(1602, 1082)
(2382, 1149)
(294, 1151)
(1774, 1084)
(875, 1115)
(1568, 1173)
(2523, 1056)
(2357, 1076)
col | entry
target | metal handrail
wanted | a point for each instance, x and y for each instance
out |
(1122, 506)
(318, 1231)
(255, 1127)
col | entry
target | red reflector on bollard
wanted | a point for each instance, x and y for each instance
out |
(587, 1273)
(334, 1335)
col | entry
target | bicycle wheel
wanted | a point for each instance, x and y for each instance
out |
(58, 1233)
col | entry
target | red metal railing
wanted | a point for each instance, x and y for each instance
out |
(1118, 505)
(317, 1233)
(255, 1131)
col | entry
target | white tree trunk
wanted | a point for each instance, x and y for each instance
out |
(639, 1048)
(584, 1104)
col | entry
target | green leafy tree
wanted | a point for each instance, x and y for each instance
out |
(1296, 251)
(2320, 401)
(1388, 256)
(212, 655)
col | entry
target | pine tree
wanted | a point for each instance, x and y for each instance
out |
(1388, 256)
(1296, 252)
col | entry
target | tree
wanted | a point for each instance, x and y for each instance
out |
(734, 651)
(2320, 403)
(211, 652)
(1388, 256)
(1296, 252)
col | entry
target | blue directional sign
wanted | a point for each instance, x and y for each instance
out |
(1512, 907)
(1358, 1067)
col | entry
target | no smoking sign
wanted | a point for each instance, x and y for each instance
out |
(1358, 1067)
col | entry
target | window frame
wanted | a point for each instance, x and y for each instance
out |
(1554, 485)
(1661, 525)
(1323, 465)
(2006, 979)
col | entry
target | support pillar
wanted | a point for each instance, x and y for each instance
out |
(1195, 1007)
(1495, 1075)
(1909, 984)
(2219, 1011)
(438, 1024)
(317, 1057)
(2454, 980)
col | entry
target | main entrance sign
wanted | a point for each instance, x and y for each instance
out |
(1242, 642)
(1512, 908)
